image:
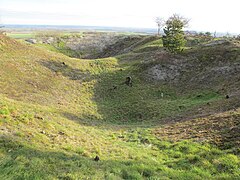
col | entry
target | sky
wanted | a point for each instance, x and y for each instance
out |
(204, 15)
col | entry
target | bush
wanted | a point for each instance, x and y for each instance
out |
(173, 39)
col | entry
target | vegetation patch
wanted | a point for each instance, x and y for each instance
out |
(57, 114)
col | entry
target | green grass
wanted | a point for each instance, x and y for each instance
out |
(56, 117)
(21, 35)
(124, 154)
(60, 49)
(143, 102)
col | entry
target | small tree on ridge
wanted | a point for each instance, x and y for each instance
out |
(173, 39)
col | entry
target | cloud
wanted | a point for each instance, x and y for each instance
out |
(205, 15)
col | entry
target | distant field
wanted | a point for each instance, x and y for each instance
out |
(21, 35)
(25, 35)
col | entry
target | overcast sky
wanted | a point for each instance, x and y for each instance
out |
(205, 15)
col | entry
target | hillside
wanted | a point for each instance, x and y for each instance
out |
(179, 120)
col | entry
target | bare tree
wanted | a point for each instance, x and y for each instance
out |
(177, 20)
(1, 29)
(1, 26)
(228, 35)
(215, 34)
(160, 23)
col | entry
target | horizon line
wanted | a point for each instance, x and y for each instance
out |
(105, 26)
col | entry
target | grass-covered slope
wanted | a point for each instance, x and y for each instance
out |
(57, 113)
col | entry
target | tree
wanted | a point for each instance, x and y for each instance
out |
(215, 34)
(238, 37)
(160, 23)
(173, 39)
(1, 29)
(208, 34)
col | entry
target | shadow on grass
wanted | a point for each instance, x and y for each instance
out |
(64, 69)
(87, 120)
(140, 105)
(23, 161)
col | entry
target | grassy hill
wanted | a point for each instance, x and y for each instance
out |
(57, 113)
